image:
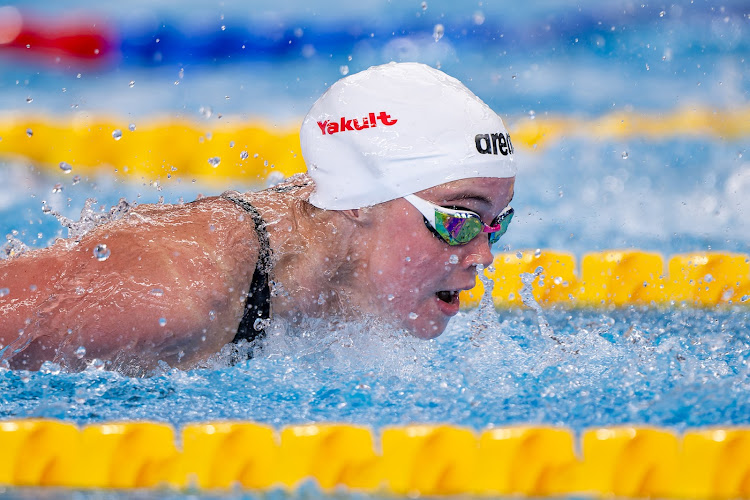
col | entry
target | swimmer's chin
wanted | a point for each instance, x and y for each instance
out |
(426, 332)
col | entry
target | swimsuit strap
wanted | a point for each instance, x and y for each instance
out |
(258, 303)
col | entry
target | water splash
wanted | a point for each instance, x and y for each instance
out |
(14, 247)
(90, 218)
(485, 315)
(527, 296)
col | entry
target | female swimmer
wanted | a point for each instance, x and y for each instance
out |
(409, 181)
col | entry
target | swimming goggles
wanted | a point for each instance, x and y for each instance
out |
(459, 227)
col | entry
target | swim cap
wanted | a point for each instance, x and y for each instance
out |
(396, 129)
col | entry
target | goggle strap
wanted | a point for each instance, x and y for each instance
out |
(424, 207)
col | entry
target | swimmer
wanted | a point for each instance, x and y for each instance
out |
(408, 185)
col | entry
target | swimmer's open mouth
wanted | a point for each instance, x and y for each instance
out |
(448, 296)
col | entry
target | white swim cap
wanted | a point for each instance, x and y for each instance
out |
(397, 129)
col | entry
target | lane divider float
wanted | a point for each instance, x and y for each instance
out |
(625, 461)
(615, 278)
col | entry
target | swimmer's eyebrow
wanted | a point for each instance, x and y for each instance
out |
(476, 197)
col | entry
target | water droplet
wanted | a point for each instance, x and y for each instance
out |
(57, 188)
(424, 5)
(131, 127)
(212, 315)
(244, 155)
(162, 321)
(29, 99)
(479, 18)
(413, 315)
(157, 292)
(29, 132)
(97, 364)
(214, 161)
(624, 155)
(131, 84)
(117, 134)
(274, 178)
(231, 144)
(708, 278)
(453, 259)
(532, 114)
(344, 69)
(438, 32)
(4, 292)
(519, 255)
(101, 252)
(537, 252)
(205, 111)
(48, 367)
(408, 259)
(66, 167)
(76, 179)
(261, 324)
(662, 14)
(390, 297)
(80, 352)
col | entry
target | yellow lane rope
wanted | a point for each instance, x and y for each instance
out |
(618, 278)
(250, 150)
(431, 459)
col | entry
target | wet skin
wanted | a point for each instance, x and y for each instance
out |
(173, 287)
(406, 265)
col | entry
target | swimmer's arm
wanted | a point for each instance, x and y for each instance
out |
(170, 289)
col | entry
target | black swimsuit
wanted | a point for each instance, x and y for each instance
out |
(258, 303)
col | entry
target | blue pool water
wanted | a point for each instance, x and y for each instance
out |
(677, 368)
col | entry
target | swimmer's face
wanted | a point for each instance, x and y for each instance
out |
(413, 276)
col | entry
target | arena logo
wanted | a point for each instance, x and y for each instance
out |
(492, 144)
(343, 124)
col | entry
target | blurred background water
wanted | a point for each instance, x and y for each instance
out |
(576, 192)
(265, 61)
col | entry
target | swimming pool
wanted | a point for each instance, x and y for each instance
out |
(627, 116)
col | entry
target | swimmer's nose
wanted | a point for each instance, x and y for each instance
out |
(479, 252)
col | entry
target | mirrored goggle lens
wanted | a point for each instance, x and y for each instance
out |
(457, 230)
(504, 221)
